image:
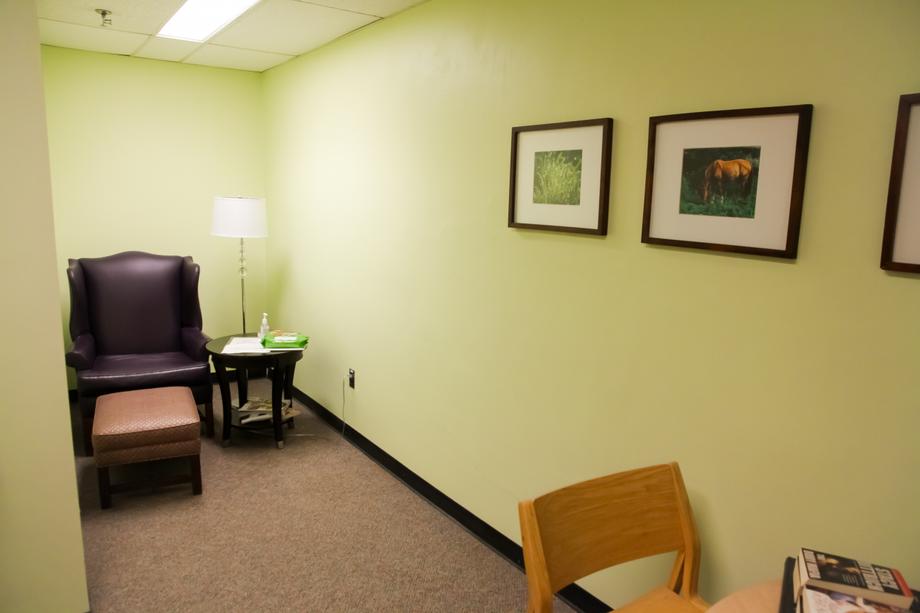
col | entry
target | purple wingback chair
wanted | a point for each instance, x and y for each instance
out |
(135, 321)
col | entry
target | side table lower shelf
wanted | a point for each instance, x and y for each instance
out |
(261, 426)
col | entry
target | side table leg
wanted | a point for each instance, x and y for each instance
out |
(242, 385)
(224, 383)
(277, 390)
(289, 383)
(289, 389)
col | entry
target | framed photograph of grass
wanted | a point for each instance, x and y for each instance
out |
(727, 180)
(560, 176)
(901, 239)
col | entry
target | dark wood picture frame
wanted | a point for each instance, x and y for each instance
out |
(905, 105)
(799, 161)
(606, 123)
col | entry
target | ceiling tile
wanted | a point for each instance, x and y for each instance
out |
(166, 49)
(380, 8)
(229, 57)
(104, 40)
(141, 16)
(269, 34)
(289, 26)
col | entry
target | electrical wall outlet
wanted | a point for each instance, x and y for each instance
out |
(351, 378)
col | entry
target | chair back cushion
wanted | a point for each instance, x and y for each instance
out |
(589, 526)
(134, 302)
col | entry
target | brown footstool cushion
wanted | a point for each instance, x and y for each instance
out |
(145, 425)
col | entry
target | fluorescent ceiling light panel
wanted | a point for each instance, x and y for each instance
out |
(199, 20)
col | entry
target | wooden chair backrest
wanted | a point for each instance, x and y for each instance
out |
(577, 530)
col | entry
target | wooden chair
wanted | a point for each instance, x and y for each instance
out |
(575, 531)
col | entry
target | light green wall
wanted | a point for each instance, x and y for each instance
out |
(139, 148)
(41, 549)
(500, 363)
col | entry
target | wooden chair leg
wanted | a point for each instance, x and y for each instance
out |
(195, 466)
(105, 494)
(209, 418)
(87, 406)
(87, 423)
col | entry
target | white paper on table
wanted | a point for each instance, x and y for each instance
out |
(244, 344)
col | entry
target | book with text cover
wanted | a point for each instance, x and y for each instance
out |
(816, 569)
(818, 600)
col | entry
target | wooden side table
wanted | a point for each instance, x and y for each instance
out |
(281, 365)
(760, 598)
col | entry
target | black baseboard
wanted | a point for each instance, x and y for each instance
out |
(576, 597)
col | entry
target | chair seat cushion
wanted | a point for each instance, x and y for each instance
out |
(142, 425)
(660, 600)
(134, 370)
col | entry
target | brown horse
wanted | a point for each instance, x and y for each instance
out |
(722, 173)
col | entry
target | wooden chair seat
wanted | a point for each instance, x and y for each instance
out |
(662, 600)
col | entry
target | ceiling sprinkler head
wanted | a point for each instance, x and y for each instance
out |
(106, 17)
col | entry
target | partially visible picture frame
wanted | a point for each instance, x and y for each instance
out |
(560, 176)
(901, 237)
(730, 180)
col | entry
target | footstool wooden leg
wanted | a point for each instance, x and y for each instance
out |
(195, 464)
(105, 494)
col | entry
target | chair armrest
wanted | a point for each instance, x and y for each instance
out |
(193, 342)
(82, 352)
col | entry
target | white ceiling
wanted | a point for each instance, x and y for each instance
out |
(271, 32)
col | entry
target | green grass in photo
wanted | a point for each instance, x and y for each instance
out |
(720, 181)
(557, 177)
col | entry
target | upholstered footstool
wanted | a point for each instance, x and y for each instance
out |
(142, 426)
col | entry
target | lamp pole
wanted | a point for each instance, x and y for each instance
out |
(243, 282)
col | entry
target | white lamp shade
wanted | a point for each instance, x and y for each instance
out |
(239, 217)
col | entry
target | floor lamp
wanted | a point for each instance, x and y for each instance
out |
(241, 218)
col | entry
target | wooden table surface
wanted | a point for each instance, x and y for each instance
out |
(760, 598)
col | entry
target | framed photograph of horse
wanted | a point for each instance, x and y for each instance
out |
(901, 238)
(560, 176)
(727, 180)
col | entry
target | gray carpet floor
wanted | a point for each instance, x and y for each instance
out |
(317, 526)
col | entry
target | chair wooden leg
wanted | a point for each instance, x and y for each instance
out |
(105, 494)
(87, 435)
(209, 418)
(195, 466)
(87, 406)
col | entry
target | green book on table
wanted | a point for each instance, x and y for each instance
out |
(285, 340)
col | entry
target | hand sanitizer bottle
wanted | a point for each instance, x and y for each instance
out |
(263, 329)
